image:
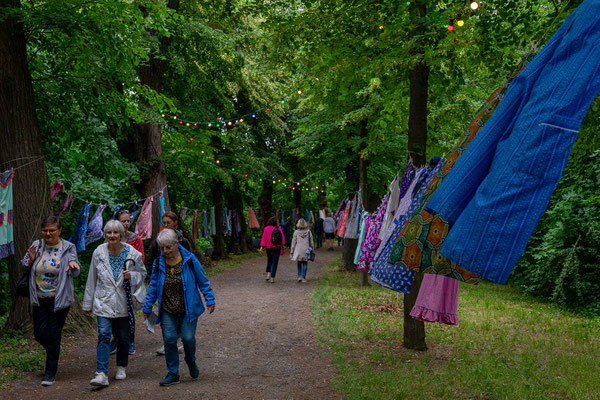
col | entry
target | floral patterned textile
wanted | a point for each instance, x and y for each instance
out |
(81, 226)
(423, 234)
(342, 222)
(371, 242)
(393, 276)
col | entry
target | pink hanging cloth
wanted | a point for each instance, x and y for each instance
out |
(342, 222)
(56, 188)
(143, 228)
(252, 220)
(437, 300)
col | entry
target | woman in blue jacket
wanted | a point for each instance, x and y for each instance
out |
(176, 278)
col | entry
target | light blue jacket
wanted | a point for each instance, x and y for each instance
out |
(193, 278)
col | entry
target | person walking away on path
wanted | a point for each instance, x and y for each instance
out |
(301, 241)
(135, 241)
(169, 221)
(319, 232)
(287, 231)
(106, 298)
(176, 278)
(273, 242)
(52, 264)
(328, 229)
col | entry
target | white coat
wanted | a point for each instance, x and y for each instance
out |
(105, 296)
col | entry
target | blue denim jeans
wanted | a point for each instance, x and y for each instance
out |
(273, 259)
(174, 325)
(119, 328)
(302, 267)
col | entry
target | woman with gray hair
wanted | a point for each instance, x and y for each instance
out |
(301, 242)
(174, 283)
(112, 264)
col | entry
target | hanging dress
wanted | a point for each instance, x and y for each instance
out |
(78, 236)
(7, 243)
(437, 300)
(371, 242)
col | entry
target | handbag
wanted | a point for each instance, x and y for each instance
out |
(23, 285)
(310, 254)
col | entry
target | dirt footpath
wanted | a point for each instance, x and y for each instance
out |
(258, 344)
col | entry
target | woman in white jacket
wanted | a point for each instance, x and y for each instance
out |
(106, 297)
(300, 243)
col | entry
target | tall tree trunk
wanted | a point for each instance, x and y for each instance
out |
(265, 201)
(144, 142)
(219, 251)
(363, 165)
(322, 198)
(414, 331)
(353, 178)
(238, 243)
(20, 144)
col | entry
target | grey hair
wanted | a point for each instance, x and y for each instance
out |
(115, 225)
(167, 236)
(301, 224)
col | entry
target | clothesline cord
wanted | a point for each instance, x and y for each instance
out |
(536, 44)
(36, 159)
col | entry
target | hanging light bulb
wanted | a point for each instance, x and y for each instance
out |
(299, 91)
(450, 27)
(241, 119)
(209, 125)
(162, 115)
(195, 124)
(218, 161)
(187, 124)
(229, 123)
(174, 117)
(474, 5)
(460, 22)
(253, 115)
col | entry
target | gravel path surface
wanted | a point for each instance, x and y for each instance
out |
(258, 344)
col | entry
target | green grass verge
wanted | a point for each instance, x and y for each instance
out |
(232, 262)
(17, 356)
(507, 346)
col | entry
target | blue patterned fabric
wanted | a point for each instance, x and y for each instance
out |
(117, 209)
(94, 230)
(78, 236)
(499, 188)
(161, 199)
(394, 276)
(117, 262)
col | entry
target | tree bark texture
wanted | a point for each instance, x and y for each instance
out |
(218, 239)
(414, 331)
(20, 148)
(265, 201)
(348, 251)
(238, 243)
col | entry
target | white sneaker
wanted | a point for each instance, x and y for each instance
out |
(303, 280)
(299, 278)
(99, 380)
(161, 351)
(268, 276)
(120, 373)
(272, 280)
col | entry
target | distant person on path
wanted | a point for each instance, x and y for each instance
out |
(135, 241)
(319, 232)
(274, 243)
(105, 296)
(287, 231)
(176, 279)
(329, 228)
(52, 264)
(300, 243)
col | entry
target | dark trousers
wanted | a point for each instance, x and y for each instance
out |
(272, 260)
(319, 237)
(47, 330)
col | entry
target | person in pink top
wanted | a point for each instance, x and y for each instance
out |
(273, 242)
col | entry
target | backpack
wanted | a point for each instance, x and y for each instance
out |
(276, 237)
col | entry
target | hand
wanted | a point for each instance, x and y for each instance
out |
(210, 308)
(89, 313)
(261, 249)
(33, 252)
(146, 316)
(72, 265)
(127, 274)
